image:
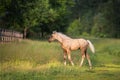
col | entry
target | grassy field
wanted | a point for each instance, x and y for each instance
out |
(39, 60)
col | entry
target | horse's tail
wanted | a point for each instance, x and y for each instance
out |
(91, 46)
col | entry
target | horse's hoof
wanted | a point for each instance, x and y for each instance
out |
(90, 68)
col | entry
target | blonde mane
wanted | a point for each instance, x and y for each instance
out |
(63, 36)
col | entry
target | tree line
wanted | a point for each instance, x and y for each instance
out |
(35, 18)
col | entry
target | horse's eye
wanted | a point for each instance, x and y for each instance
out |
(52, 35)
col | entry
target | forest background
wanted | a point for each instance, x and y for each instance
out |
(38, 18)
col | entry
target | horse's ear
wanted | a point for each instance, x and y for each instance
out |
(54, 32)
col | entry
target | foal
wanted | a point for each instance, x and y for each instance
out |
(68, 44)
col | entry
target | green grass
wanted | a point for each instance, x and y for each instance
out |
(40, 60)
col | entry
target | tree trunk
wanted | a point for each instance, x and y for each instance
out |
(42, 33)
(25, 33)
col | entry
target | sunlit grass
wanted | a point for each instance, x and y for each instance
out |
(38, 51)
(40, 60)
(55, 70)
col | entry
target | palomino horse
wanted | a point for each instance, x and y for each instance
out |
(69, 44)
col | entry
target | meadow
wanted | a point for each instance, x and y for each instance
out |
(40, 60)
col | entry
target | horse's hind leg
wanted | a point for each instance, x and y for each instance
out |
(89, 61)
(82, 60)
(83, 51)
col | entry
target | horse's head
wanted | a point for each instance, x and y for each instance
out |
(53, 36)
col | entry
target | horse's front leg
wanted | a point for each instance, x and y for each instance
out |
(65, 56)
(69, 57)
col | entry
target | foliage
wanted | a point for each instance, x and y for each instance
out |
(43, 16)
(96, 13)
(99, 26)
(75, 28)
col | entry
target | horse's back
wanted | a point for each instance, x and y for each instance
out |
(78, 43)
(83, 43)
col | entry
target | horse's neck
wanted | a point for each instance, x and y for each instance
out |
(60, 39)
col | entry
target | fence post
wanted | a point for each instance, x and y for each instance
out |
(9, 36)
